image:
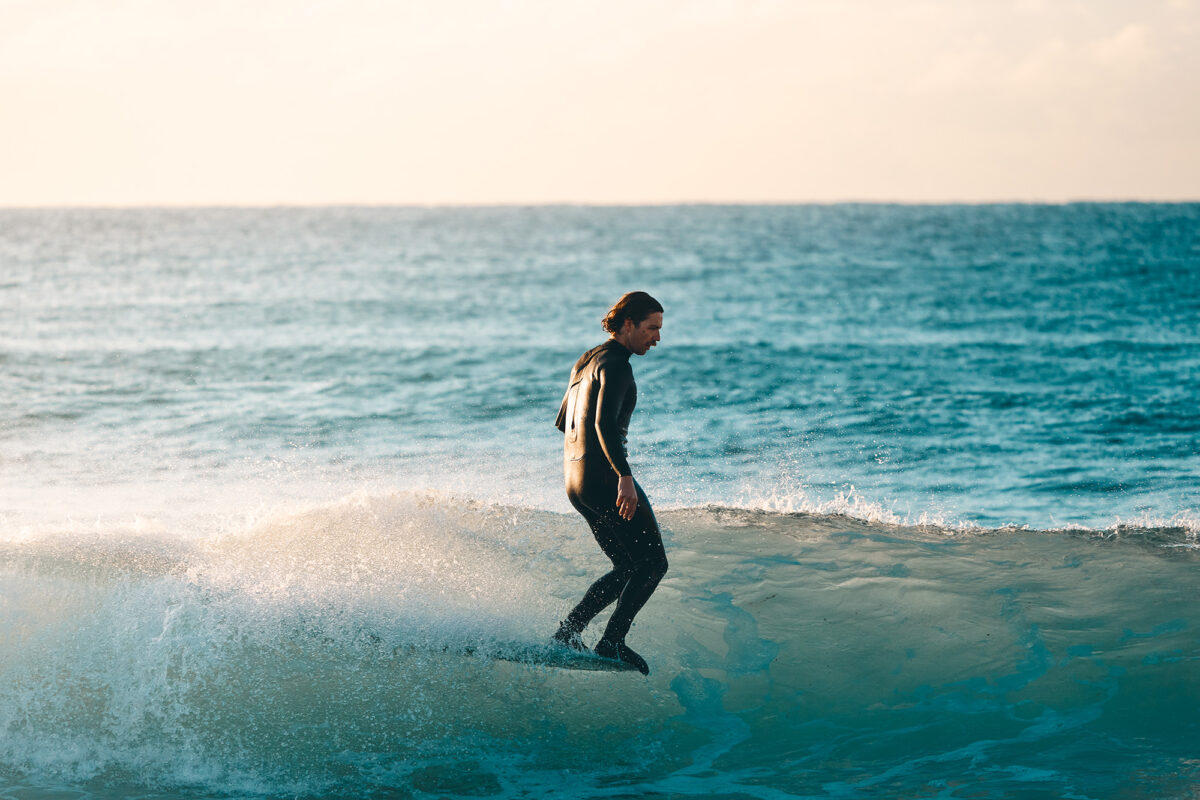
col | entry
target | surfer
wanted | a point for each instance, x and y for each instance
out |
(594, 417)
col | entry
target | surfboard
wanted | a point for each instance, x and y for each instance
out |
(540, 654)
(554, 655)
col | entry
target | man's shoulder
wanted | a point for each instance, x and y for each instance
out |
(607, 354)
(588, 357)
(612, 359)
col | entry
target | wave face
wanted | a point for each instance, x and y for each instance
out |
(343, 650)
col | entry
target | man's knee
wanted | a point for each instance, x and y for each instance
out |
(624, 570)
(654, 567)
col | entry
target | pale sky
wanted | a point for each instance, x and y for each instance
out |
(252, 102)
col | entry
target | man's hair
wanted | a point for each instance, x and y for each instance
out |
(634, 306)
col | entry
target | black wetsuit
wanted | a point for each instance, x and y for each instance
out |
(595, 420)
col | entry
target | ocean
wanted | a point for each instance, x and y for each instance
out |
(277, 485)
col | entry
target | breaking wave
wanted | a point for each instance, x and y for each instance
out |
(343, 649)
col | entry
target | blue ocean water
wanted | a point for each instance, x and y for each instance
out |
(272, 482)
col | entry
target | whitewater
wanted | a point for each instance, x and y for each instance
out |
(277, 484)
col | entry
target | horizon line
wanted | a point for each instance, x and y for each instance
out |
(591, 204)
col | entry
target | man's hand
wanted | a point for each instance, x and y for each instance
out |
(627, 499)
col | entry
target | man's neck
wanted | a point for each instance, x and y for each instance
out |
(625, 347)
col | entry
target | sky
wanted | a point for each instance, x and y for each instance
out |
(292, 102)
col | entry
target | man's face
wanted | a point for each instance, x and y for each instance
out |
(645, 334)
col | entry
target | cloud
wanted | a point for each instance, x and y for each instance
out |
(1048, 65)
(1128, 49)
(1060, 64)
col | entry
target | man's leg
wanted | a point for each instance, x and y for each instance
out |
(606, 589)
(641, 539)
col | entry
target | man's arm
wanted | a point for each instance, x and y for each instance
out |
(614, 385)
(614, 388)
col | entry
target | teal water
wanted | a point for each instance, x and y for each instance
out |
(1028, 365)
(343, 651)
(274, 483)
